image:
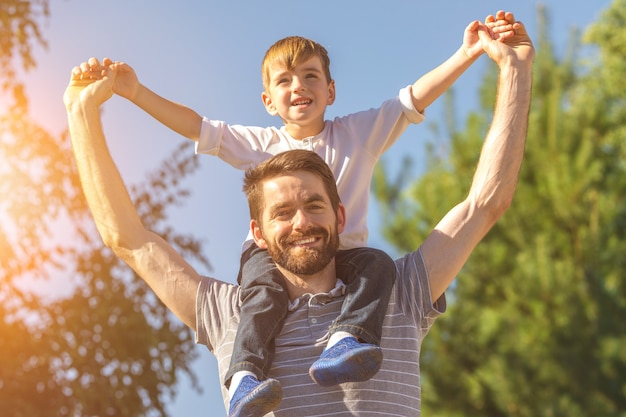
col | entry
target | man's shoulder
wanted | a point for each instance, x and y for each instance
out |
(219, 296)
(218, 287)
(411, 261)
(412, 289)
(217, 310)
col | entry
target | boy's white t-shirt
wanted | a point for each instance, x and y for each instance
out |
(351, 145)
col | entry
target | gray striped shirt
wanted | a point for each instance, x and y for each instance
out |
(393, 391)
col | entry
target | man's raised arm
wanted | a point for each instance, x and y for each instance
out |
(173, 280)
(450, 244)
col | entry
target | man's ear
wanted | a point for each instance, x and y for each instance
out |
(269, 104)
(257, 235)
(341, 218)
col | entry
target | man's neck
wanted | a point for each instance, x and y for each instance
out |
(321, 282)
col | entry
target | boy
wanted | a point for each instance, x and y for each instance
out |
(297, 88)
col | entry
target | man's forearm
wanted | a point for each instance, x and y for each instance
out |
(106, 195)
(454, 238)
(503, 151)
(173, 280)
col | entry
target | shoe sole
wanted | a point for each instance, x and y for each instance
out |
(357, 366)
(262, 400)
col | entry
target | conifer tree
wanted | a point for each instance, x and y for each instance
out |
(536, 319)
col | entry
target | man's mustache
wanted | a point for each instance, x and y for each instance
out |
(296, 236)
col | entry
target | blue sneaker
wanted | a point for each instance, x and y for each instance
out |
(346, 361)
(255, 399)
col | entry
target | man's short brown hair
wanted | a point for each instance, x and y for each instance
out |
(281, 164)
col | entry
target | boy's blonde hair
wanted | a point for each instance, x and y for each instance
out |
(291, 51)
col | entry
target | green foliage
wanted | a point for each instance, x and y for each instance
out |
(110, 347)
(536, 322)
(107, 347)
(19, 29)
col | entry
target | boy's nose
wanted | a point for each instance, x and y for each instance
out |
(297, 85)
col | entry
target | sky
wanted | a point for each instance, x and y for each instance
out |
(207, 55)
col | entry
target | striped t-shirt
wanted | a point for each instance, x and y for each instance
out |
(393, 391)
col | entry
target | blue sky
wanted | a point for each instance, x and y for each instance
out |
(207, 55)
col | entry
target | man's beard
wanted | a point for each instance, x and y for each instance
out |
(308, 261)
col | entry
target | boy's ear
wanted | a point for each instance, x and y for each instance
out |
(331, 93)
(269, 104)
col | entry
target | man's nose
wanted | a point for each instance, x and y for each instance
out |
(300, 220)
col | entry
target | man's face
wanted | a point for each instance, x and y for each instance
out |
(299, 228)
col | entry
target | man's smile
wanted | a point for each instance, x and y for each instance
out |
(304, 241)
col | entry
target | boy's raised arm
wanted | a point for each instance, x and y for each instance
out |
(173, 280)
(434, 83)
(181, 119)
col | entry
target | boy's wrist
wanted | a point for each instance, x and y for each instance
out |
(136, 96)
(468, 54)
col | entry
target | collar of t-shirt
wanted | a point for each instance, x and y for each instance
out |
(321, 298)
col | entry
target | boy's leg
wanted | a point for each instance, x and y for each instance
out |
(264, 305)
(370, 276)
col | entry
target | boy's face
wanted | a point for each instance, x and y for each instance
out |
(299, 96)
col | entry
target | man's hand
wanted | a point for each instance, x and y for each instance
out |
(90, 83)
(508, 41)
(501, 26)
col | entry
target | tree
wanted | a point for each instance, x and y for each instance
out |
(18, 28)
(535, 325)
(109, 347)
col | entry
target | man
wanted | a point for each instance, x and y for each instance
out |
(297, 217)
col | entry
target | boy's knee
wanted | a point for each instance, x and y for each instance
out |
(382, 258)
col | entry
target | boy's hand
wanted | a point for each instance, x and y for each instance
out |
(471, 41)
(126, 81)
